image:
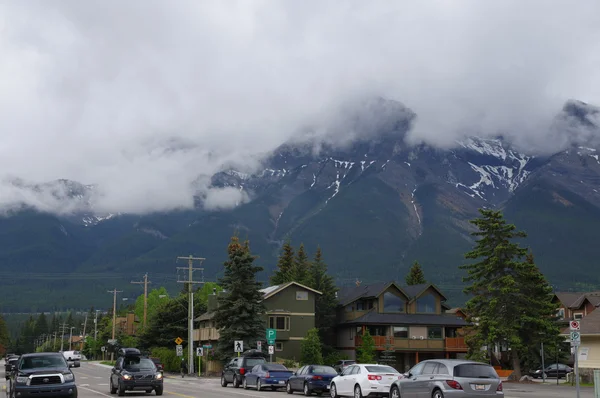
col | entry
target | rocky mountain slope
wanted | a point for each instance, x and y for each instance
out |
(374, 206)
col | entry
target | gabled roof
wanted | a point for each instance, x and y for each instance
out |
(416, 290)
(273, 290)
(574, 300)
(374, 318)
(348, 295)
(589, 325)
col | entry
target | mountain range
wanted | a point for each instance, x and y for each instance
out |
(373, 204)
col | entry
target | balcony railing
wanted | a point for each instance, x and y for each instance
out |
(454, 344)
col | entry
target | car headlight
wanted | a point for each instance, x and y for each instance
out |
(158, 376)
(127, 376)
(538, 371)
(69, 376)
(22, 379)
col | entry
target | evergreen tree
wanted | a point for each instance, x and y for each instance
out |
(285, 265)
(69, 321)
(41, 325)
(501, 285)
(365, 352)
(415, 275)
(326, 303)
(54, 324)
(4, 336)
(301, 272)
(310, 348)
(239, 313)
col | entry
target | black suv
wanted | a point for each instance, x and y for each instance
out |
(43, 374)
(135, 372)
(235, 369)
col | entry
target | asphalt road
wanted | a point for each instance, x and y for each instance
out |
(92, 382)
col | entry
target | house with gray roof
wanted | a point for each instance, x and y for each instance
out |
(575, 305)
(408, 323)
(589, 349)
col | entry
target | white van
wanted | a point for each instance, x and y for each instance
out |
(72, 355)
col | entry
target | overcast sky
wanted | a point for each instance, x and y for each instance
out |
(95, 91)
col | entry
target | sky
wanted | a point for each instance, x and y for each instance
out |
(147, 99)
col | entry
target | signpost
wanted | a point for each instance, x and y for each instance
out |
(271, 336)
(271, 352)
(575, 342)
(259, 345)
(103, 348)
(179, 350)
(199, 354)
(238, 346)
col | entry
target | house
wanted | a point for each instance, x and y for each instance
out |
(127, 324)
(575, 305)
(76, 343)
(408, 323)
(290, 310)
(589, 348)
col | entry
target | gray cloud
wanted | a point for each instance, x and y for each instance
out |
(142, 97)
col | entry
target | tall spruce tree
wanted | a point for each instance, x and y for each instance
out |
(4, 336)
(501, 282)
(41, 325)
(301, 273)
(415, 275)
(238, 315)
(326, 303)
(285, 265)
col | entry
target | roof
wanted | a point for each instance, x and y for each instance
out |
(41, 354)
(589, 325)
(373, 317)
(273, 290)
(575, 300)
(349, 294)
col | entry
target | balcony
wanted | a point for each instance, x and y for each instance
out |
(209, 334)
(456, 344)
(451, 344)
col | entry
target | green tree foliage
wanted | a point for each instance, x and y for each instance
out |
(41, 325)
(154, 299)
(415, 275)
(326, 303)
(301, 271)
(238, 316)
(4, 336)
(365, 352)
(285, 266)
(310, 348)
(510, 298)
(206, 290)
(70, 321)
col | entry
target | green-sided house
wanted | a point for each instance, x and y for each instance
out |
(290, 310)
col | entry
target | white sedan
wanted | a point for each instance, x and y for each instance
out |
(362, 380)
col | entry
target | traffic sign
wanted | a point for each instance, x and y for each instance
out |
(103, 348)
(575, 337)
(112, 341)
(271, 334)
(199, 352)
(271, 350)
(178, 340)
(574, 325)
(209, 346)
(179, 350)
(259, 345)
(238, 346)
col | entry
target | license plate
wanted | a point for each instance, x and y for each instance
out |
(281, 382)
(480, 386)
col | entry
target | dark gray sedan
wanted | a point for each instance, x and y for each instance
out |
(449, 378)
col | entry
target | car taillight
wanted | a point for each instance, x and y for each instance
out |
(242, 371)
(267, 375)
(374, 377)
(454, 384)
(317, 378)
(499, 387)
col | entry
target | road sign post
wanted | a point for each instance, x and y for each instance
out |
(238, 346)
(575, 342)
(271, 352)
(179, 350)
(199, 354)
(271, 336)
(259, 345)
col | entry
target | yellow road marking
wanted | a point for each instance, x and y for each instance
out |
(179, 395)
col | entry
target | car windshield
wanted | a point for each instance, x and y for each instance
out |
(45, 361)
(275, 366)
(475, 371)
(251, 362)
(323, 370)
(381, 369)
(76, 353)
(136, 364)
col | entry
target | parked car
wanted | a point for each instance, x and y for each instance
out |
(42, 374)
(364, 380)
(158, 363)
(10, 364)
(271, 375)
(135, 372)
(343, 364)
(311, 378)
(554, 370)
(235, 370)
(438, 378)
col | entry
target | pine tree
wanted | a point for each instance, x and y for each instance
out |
(500, 284)
(310, 348)
(415, 275)
(239, 313)
(4, 336)
(41, 325)
(326, 303)
(302, 265)
(365, 352)
(69, 321)
(285, 265)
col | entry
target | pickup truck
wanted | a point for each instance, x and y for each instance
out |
(44, 374)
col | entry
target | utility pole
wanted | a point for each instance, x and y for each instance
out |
(71, 337)
(114, 322)
(63, 329)
(190, 282)
(145, 282)
(96, 326)
(54, 345)
(83, 334)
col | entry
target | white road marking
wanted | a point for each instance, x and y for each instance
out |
(94, 391)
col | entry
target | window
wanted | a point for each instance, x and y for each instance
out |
(578, 316)
(361, 306)
(426, 304)
(392, 303)
(430, 368)
(349, 308)
(279, 322)
(561, 313)
(278, 346)
(434, 332)
(401, 332)
(301, 295)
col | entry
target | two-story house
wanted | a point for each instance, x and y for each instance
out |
(408, 323)
(290, 310)
(575, 305)
(128, 324)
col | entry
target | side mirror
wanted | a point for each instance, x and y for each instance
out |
(407, 375)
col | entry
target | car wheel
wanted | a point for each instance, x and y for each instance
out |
(437, 394)
(258, 385)
(307, 391)
(245, 384)
(236, 382)
(395, 393)
(113, 390)
(357, 391)
(288, 388)
(159, 390)
(333, 391)
(223, 382)
(121, 390)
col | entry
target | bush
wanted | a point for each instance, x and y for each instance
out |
(168, 357)
(290, 363)
(332, 358)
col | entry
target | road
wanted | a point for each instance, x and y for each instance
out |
(92, 382)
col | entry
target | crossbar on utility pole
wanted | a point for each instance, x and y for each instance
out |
(145, 282)
(114, 322)
(190, 282)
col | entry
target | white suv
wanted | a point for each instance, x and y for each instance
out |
(72, 355)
